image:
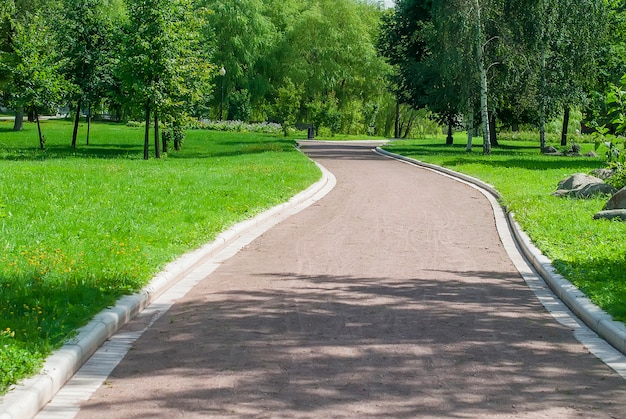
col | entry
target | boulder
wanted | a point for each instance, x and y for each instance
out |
(617, 201)
(577, 181)
(550, 150)
(591, 154)
(616, 214)
(590, 190)
(581, 185)
(602, 173)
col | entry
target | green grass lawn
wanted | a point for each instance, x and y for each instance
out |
(590, 253)
(79, 228)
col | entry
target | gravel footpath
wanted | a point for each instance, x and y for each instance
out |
(391, 297)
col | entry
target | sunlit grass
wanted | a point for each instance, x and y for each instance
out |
(590, 253)
(79, 228)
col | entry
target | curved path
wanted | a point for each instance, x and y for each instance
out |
(391, 297)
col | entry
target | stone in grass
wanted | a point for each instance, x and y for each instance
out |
(602, 173)
(616, 214)
(617, 201)
(550, 150)
(581, 185)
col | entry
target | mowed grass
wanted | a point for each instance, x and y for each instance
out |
(79, 228)
(590, 253)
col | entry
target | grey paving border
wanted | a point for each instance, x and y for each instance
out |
(31, 395)
(594, 317)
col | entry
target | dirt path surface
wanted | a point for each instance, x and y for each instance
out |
(390, 297)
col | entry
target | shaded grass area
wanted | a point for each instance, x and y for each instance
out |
(81, 227)
(590, 253)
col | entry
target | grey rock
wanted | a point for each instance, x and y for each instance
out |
(577, 181)
(617, 214)
(617, 201)
(591, 154)
(581, 185)
(549, 150)
(602, 173)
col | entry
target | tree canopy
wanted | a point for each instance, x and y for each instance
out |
(344, 65)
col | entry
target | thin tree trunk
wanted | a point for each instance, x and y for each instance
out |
(565, 126)
(542, 130)
(164, 138)
(18, 124)
(88, 123)
(484, 109)
(76, 122)
(542, 115)
(42, 140)
(146, 138)
(157, 150)
(396, 128)
(409, 125)
(449, 138)
(493, 135)
(470, 131)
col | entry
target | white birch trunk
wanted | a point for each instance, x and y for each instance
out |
(484, 110)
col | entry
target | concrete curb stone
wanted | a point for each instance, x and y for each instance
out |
(31, 395)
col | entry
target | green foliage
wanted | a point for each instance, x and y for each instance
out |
(15, 361)
(30, 66)
(239, 107)
(615, 144)
(287, 106)
(72, 245)
(324, 112)
(618, 178)
(164, 66)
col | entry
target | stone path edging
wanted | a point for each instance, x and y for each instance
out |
(31, 395)
(594, 317)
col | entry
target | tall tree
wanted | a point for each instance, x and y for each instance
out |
(241, 36)
(163, 67)
(86, 40)
(30, 69)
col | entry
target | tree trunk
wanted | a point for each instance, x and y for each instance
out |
(409, 125)
(565, 126)
(164, 139)
(542, 131)
(493, 135)
(396, 128)
(31, 116)
(542, 109)
(42, 141)
(470, 131)
(146, 138)
(18, 124)
(76, 122)
(449, 138)
(88, 123)
(484, 109)
(157, 150)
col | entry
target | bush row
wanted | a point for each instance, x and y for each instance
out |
(236, 126)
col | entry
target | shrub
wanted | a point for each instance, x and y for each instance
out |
(238, 126)
(618, 178)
